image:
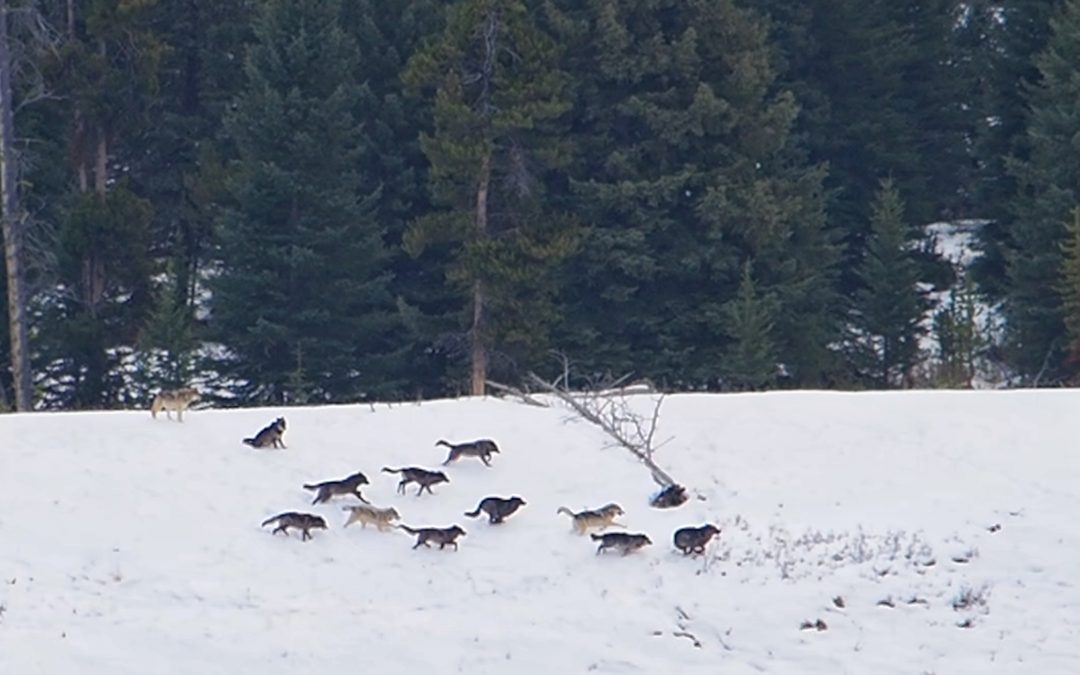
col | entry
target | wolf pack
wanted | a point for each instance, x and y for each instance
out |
(689, 540)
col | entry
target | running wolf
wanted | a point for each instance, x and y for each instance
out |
(173, 399)
(620, 541)
(444, 536)
(302, 521)
(346, 486)
(497, 508)
(482, 448)
(600, 518)
(694, 539)
(413, 474)
(380, 518)
(271, 435)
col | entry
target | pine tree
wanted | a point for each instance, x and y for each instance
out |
(495, 146)
(1070, 287)
(961, 340)
(1009, 36)
(302, 292)
(104, 76)
(1047, 192)
(687, 171)
(750, 362)
(888, 310)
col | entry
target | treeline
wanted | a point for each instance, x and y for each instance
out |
(341, 200)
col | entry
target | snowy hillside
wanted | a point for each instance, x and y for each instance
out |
(923, 532)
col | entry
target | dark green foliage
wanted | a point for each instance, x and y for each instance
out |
(496, 145)
(103, 296)
(889, 308)
(1047, 193)
(961, 340)
(302, 298)
(750, 361)
(686, 172)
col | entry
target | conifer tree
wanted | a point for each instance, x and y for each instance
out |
(889, 308)
(301, 300)
(495, 146)
(750, 361)
(687, 171)
(1047, 193)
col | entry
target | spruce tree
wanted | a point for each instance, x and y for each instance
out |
(1047, 193)
(750, 361)
(1070, 287)
(687, 170)
(889, 308)
(301, 301)
(495, 147)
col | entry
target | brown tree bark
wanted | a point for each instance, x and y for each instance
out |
(479, 341)
(14, 231)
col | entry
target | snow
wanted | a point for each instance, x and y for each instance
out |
(943, 522)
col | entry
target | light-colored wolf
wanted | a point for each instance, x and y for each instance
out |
(380, 518)
(173, 399)
(600, 518)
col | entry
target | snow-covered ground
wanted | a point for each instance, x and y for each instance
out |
(944, 523)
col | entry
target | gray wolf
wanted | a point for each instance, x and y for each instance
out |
(497, 508)
(302, 521)
(413, 474)
(600, 518)
(444, 536)
(349, 485)
(380, 518)
(620, 541)
(270, 435)
(173, 399)
(694, 539)
(482, 448)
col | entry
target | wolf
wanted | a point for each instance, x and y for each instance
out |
(482, 448)
(413, 474)
(349, 485)
(600, 518)
(173, 399)
(271, 435)
(497, 508)
(380, 518)
(620, 541)
(694, 539)
(444, 536)
(302, 521)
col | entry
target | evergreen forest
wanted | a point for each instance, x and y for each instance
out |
(314, 201)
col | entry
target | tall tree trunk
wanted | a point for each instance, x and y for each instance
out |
(13, 227)
(479, 344)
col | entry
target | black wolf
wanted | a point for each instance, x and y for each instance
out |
(497, 508)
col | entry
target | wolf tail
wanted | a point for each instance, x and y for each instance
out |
(442, 442)
(563, 509)
(596, 537)
(407, 529)
(309, 486)
(270, 520)
(473, 514)
(248, 441)
(389, 470)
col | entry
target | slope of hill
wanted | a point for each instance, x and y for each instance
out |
(923, 532)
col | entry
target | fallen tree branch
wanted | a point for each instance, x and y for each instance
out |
(520, 394)
(612, 415)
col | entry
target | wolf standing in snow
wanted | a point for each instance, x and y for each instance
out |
(173, 399)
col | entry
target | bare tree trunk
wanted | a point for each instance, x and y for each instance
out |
(14, 233)
(479, 344)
